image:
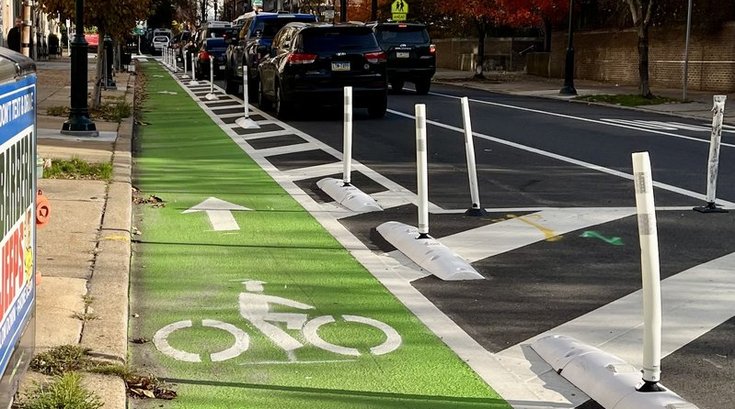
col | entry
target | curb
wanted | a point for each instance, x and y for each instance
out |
(107, 336)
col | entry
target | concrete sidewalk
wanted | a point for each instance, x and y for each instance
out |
(84, 252)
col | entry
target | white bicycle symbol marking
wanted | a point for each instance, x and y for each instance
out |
(255, 308)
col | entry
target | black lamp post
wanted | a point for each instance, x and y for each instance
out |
(79, 123)
(568, 88)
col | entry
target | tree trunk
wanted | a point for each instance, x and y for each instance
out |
(643, 60)
(480, 63)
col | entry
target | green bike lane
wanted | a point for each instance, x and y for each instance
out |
(274, 314)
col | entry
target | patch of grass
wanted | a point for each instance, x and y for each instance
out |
(628, 100)
(61, 359)
(78, 169)
(57, 111)
(69, 359)
(65, 391)
(113, 111)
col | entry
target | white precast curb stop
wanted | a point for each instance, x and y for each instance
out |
(348, 196)
(428, 253)
(604, 377)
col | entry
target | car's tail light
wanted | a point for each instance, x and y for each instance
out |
(301, 58)
(432, 48)
(374, 58)
(203, 55)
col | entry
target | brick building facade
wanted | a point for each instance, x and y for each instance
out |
(612, 56)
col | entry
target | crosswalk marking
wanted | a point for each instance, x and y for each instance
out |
(498, 238)
(266, 134)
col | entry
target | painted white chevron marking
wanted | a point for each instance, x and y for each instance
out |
(394, 198)
(516, 232)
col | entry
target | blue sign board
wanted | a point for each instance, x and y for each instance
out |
(18, 222)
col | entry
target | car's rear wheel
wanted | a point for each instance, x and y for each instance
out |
(396, 86)
(423, 85)
(283, 108)
(377, 108)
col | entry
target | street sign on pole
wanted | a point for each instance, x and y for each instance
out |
(399, 10)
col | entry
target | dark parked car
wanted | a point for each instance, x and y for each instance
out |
(311, 63)
(214, 47)
(411, 56)
(252, 44)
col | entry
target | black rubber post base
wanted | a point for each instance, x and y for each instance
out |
(649, 386)
(423, 236)
(477, 212)
(711, 207)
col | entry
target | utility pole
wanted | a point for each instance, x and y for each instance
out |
(568, 88)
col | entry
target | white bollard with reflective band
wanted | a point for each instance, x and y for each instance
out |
(193, 72)
(650, 269)
(342, 191)
(475, 209)
(245, 121)
(347, 137)
(210, 96)
(186, 66)
(713, 163)
(422, 171)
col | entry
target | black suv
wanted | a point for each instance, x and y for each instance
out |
(312, 63)
(411, 56)
(252, 43)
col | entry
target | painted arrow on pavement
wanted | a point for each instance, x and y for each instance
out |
(219, 213)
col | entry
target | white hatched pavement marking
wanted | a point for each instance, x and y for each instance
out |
(500, 237)
(696, 300)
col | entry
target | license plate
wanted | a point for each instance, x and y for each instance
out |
(221, 67)
(340, 66)
(402, 54)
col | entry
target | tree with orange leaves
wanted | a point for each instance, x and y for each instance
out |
(485, 14)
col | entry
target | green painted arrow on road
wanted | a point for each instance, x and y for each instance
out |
(615, 241)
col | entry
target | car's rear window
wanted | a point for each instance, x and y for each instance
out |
(402, 35)
(217, 32)
(160, 39)
(270, 26)
(336, 40)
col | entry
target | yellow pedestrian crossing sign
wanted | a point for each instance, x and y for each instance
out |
(398, 10)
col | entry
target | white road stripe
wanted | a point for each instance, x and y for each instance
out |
(573, 161)
(282, 150)
(260, 135)
(508, 235)
(315, 171)
(577, 118)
